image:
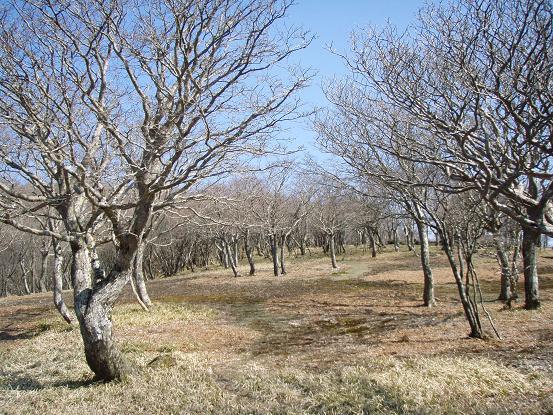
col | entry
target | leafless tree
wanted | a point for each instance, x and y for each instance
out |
(365, 147)
(461, 220)
(281, 205)
(115, 110)
(475, 78)
(331, 213)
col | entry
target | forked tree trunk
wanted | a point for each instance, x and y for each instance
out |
(138, 276)
(471, 312)
(93, 305)
(25, 275)
(58, 284)
(231, 259)
(332, 251)
(428, 289)
(530, 241)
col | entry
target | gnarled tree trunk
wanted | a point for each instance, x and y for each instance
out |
(93, 305)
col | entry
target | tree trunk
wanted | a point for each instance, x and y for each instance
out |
(231, 259)
(225, 255)
(249, 252)
(58, 284)
(514, 266)
(24, 274)
(43, 269)
(428, 290)
(332, 251)
(471, 312)
(274, 254)
(503, 260)
(409, 237)
(530, 240)
(93, 310)
(282, 259)
(138, 276)
(235, 250)
(373, 244)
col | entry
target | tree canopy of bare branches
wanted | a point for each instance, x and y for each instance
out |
(113, 110)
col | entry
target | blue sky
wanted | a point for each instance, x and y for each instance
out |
(332, 22)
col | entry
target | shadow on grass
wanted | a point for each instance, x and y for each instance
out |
(26, 383)
(23, 383)
(18, 334)
(7, 336)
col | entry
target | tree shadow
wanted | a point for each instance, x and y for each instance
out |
(7, 336)
(26, 383)
(23, 383)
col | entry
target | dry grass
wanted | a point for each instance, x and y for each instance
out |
(314, 342)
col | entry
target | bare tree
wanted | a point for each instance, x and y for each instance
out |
(365, 146)
(477, 76)
(331, 213)
(116, 110)
(281, 206)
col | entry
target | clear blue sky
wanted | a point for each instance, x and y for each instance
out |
(332, 22)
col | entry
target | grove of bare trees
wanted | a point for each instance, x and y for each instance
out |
(139, 141)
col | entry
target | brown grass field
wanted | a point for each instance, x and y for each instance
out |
(352, 341)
